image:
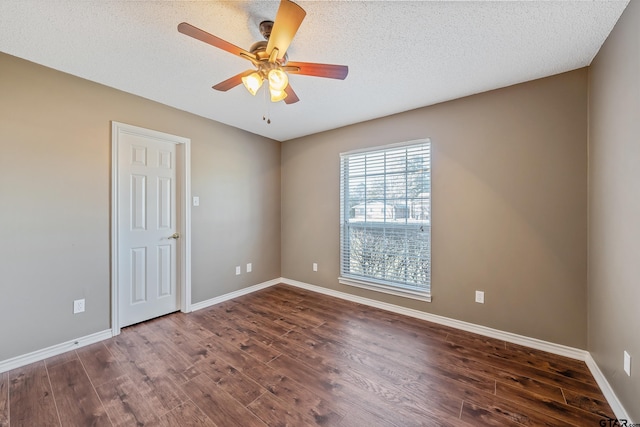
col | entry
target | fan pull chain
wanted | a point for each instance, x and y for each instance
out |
(266, 116)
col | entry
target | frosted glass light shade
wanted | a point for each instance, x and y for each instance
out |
(278, 79)
(277, 95)
(252, 82)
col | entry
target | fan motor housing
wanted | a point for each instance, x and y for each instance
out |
(259, 49)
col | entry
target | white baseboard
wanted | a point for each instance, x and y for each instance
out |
(559, 349)
(612, 399)
(54, 350)
(234, 294)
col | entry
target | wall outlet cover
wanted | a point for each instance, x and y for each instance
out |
(249, 267)
(627, 363)
(78, 306)
(238, 270)
(315, 266)
(480, 297)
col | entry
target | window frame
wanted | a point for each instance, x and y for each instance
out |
(369, 282)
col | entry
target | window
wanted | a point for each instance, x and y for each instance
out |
(385, 214)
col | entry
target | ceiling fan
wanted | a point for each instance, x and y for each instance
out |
(270, 57)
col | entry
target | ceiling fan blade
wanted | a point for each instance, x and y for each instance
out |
(232, 82)
(202, 35)
(285, 26)
(291, 98)
(317, 70)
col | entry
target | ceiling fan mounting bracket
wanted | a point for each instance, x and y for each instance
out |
(265, 29)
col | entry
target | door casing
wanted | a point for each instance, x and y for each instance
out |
(183, 175)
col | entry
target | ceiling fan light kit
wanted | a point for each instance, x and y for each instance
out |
(270, 57)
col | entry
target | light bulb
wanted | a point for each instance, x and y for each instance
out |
(278, 79)
(277, 95)
(252, 82)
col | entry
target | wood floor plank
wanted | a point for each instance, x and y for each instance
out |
(547, 406)
(575, 371)
(128, 346)
(149, 371)
(247, 343)
(266, 336)
(589, 404)
(61, 358)
(230, 354)
(185, 415)
(168, 338)
(380, 338)
(4, 399)
(291, 316)
(552, 365)
(188, 325)
(396, 368)
(296, 395)
(531, 385)
(76, 399)
(483, 417)
(354, 387)
(362, 318)
(360, 417)
(231, 380)
(176, 363)
(276, 414)
(31, 401)
(100, 364)
(218, 405)
(261, 322)
(323, 386)
(126, 405)
(332, 357)
(498, 405)
(552, 378)
(154, 384)
(561, 362)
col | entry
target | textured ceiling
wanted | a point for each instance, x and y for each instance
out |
(401, 54)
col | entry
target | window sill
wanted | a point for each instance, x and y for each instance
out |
(385, 289)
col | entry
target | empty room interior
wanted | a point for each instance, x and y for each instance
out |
(520, 307)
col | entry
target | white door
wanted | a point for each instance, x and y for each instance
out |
(147, 229)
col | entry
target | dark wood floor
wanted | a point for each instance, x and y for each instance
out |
(288, 357)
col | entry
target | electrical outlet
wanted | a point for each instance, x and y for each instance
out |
(480, 297)
(249, 267)
(78, 306)
(627, 363)
(238, 270)
(196, 201)
(315, 266)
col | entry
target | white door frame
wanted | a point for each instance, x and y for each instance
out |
(183, 173)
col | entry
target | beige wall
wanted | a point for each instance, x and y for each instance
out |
(509, 206)
(55, 138)
(614, 208)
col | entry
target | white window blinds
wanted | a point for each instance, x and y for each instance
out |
(385, 211)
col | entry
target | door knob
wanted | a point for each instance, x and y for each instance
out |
(175, 236)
